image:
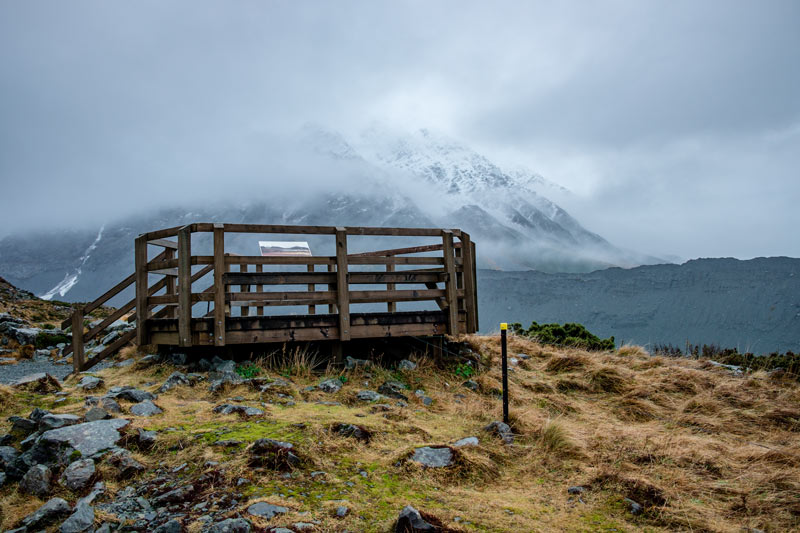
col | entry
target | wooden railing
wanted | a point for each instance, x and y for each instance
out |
(241, 282)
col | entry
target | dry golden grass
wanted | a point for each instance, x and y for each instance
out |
(699, 448)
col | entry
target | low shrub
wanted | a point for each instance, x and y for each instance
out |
(570, 334)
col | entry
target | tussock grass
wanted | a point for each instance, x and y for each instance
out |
(632, 350)
(566, 363)
(607, 379)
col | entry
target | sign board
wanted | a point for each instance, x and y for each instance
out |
(284, 248)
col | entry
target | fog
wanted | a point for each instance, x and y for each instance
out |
(675, 125)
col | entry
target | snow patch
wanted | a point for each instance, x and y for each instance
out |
(70, 279)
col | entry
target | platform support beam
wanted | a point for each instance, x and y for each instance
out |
(342, 287)
(185, 286)
(219, 286)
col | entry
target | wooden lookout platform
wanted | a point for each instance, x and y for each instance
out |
(186, 299)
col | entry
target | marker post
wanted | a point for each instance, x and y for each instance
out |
(504, 348)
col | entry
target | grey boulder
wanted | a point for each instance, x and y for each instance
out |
(130, 394)
(36, 480)
(88, 438)
(47, 514)
(266, 510)
(394, 389)
(90, 383)
(433, 457)
(231, 525)
(465, 442)
(145, 408)
(81, 519)
(331, 385)
(502, 430)
(410, 521)
(78, 475)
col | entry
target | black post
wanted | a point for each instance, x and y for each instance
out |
(503, 341)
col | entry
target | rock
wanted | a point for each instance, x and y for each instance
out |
(47, 514)
(231, 525)
(393, 389)
(88, 438)
(41, 382)
(179, 495)
(3, 478)
(426, 400)
(405, 364)
(82, 519)
(98, 490)
(90, 383)
(370, 396)
(96, 413)
(8, 455)
(145, 408)
(174, 379)
(633, 507)
(23, 335)
(148, 360)
(171, 526)
(177, 359)
(227, 409)
(502, 430)
(274, 454)
(266, 510)
(146, 439)
(130, 394)
(410, 521)
(22, 426)
(109, 404)
(36, 481)
(105, 528)
(223, 365)
(51, 421)
(220, 380)
(125, 464)
(269, 384)
(433, 457)
(6, 439)
(466, 442)
(331, 385)
(351, 363)
(351, 430)
(341, 511)
(577, 489)
(78, 475)
(470, 384)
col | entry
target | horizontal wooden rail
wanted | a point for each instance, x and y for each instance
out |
(354, 278)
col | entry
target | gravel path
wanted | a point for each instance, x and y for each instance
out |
(11, 373)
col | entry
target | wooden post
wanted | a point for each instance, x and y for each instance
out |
(474, 260)
(342, 287)
(185, 286)
(170, 281)
(469, 282)
(245, 310)
(219, 286)
(450, 284)
(459, 276)
(391, 306)
(77, 340)
(140, 261)
(331, 307)
(312, 309)
(260, 288)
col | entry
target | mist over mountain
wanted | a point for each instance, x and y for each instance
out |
(379, 179)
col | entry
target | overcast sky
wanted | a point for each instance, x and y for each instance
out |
(676, 124)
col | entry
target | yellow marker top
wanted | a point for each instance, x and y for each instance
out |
(503, 325)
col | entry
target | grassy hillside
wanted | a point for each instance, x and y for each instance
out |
(699, 448)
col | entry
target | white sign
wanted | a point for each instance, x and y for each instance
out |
(271, 248)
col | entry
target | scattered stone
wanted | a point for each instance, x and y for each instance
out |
(634, 507)
(433, 457)
(177, 359)
(466, 442)
(109, 404)
(125, 464)
(124, 363)
(405, 364)
(6, 439)
(82, 519)
(502, 430)
(181, 494)
(341, 511)
(426, 400)
(47, 514)
(36, 481)
(78, 475)
(51, 421)
(266, 510)
(331, 385)
(96, 413)
(148, 360)
(90, 383)
(370, 396)
(171, 526)
(393, 389)
(352, 363)
(471, 385)
(577, 489)
(88, 438)
(410, 521)
(231, 525)
(146, 439)
(145, 408)
(273, 454)
(98, 490)
(220, 380)
(228, 409)
(130, 394)
(22, 427)
(269, 384)
(175, 379)
(8, 455)
(223, 365)
(41, 382)
(351, 430)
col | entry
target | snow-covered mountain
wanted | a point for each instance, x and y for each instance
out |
(378, 179)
